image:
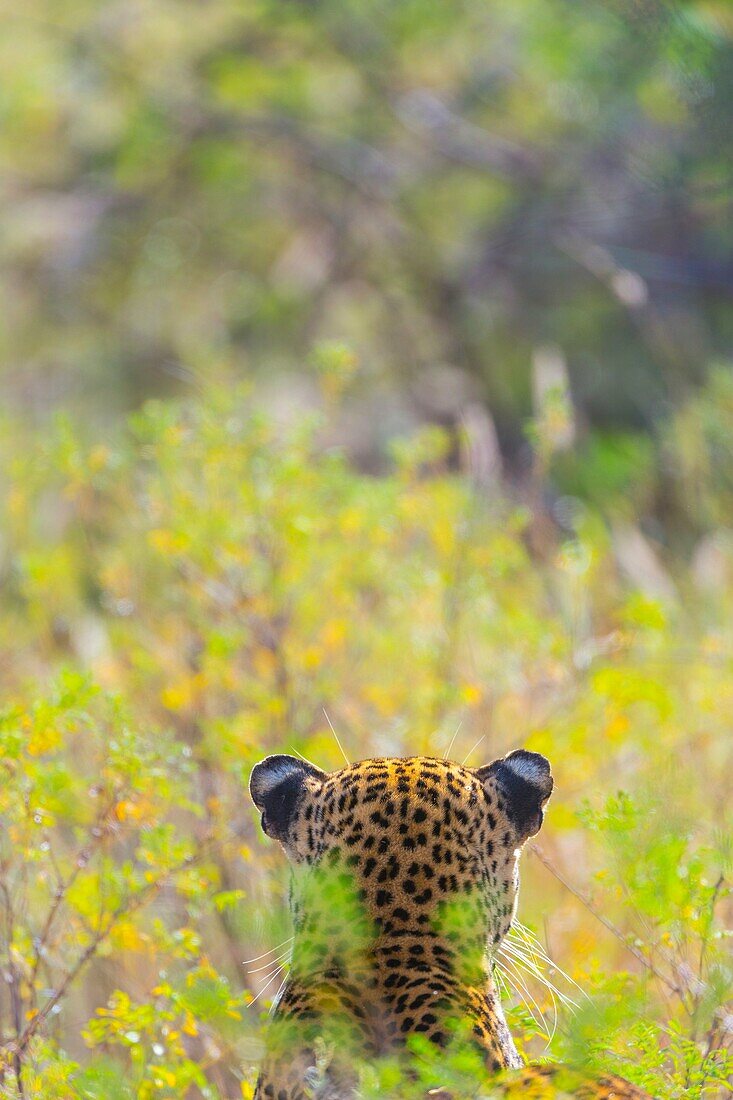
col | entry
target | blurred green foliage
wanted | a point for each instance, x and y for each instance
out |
(497, 499)
(192, 188)
(207, 586)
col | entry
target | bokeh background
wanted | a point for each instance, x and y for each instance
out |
(362, 363)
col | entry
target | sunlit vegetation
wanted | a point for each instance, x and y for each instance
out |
(207, 585)
(365, 389)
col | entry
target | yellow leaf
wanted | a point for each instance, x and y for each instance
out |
(17, 499)
(127, 811)
(334, 633)
(42, 741)
(181, 694)
(444, 536)
(617, 727)
(312, 657)
(189, 1026)
(126, 937)
(167, 542)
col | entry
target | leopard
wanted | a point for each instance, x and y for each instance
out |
(404, 883)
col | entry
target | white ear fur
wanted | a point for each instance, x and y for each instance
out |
(532, 768)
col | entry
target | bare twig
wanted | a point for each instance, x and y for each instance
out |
(63, 885)
(130, 905)
(13, 980)
(459, 140)
(612, 928)
(704, 944)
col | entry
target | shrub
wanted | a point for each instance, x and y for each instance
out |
(211, 586)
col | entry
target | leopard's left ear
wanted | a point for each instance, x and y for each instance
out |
(525, 782)
(277, 784)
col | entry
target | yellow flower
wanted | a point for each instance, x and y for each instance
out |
(470, 694)
(181, 694)
(312, 657)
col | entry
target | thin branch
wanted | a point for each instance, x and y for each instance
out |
(14, 983)
(63, 886)
(130, 905)
(462, 141)
(612, 928)
(704, 944)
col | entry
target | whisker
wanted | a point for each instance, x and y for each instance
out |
(526, 931)
(503, 977)
(533, 945)
(333, 731)
(275, 998)
(531, 968)
(265, 966)
(266, 986)
(480, 740)
(272, 951)
(532, 972)
(520, 965)
(537, 972)
(555, 1015)
(446, 754)
(528, 937)
(300, 754)
(514, 970)
(273, 973)
(538, 951)
(532, 940)
(521, 994)
(531, 949)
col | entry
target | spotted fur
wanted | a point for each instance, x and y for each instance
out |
(405, 881)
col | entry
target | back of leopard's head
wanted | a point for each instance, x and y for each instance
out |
(405, 880)
(425, 847)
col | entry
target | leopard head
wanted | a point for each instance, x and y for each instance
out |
(414, 835)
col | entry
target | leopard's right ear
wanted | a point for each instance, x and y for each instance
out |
(526, 782)
(276, 785)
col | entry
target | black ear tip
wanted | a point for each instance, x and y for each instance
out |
(269, 773)
(532, 768)
(277, 784)
(526, 781)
